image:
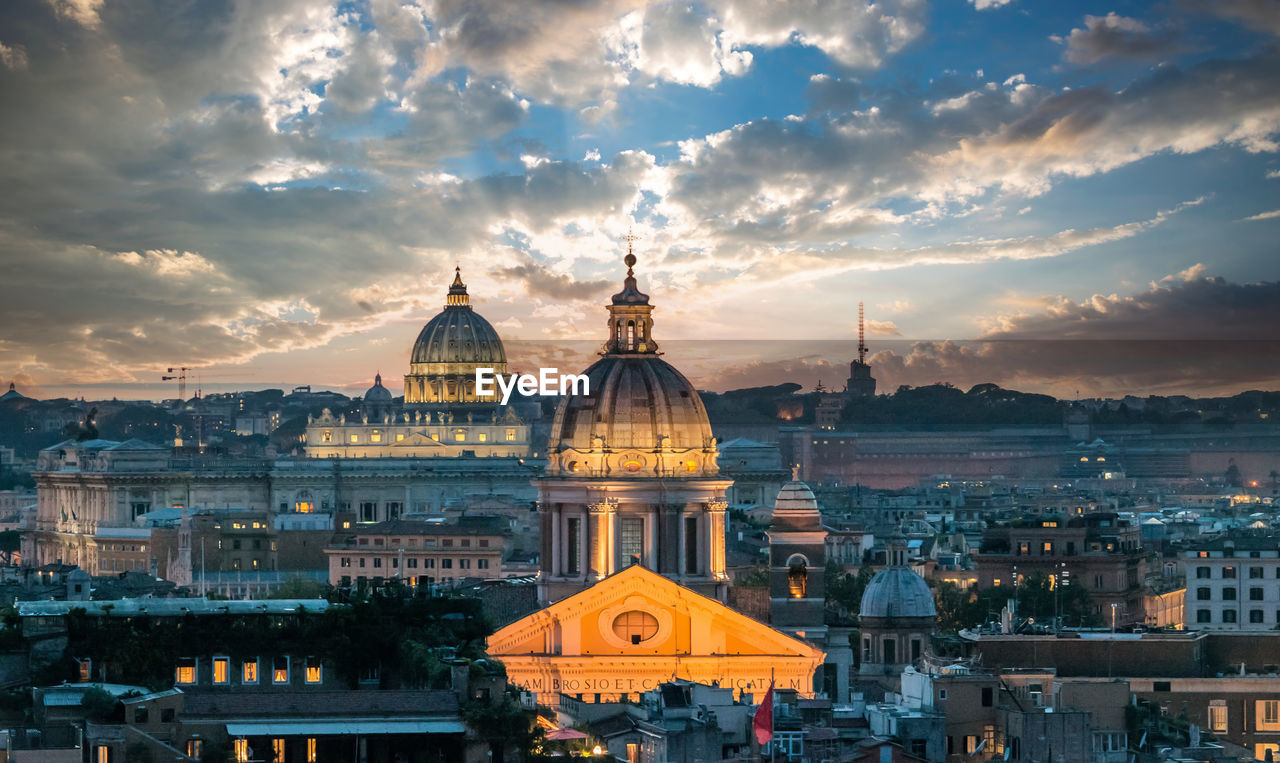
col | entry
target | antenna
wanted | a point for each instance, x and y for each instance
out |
(862, 337)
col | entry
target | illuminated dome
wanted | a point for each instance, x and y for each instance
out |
(796, 508)
(442, 366)
(458, 334)
(642, 418)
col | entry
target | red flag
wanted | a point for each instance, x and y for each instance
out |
(763, 721)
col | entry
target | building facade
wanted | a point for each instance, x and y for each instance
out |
(1233, 583)
(416, 553)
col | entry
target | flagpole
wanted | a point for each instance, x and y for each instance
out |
(773, 724)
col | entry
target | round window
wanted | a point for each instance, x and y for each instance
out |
(635, 627)
(631, 466)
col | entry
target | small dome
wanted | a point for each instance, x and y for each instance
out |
(897, 592)
(377, 393)
(796, 508)
(458, 334)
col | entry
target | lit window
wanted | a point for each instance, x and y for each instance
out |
(326, 437)
(511, 435)
(483, 437)
(195, 748)
(1218, 715)
(304, 507)
(311, 749)
(435, 436)
(400, 437)
(102, 754)
(277, 747)
(691, 466)
(996, 582)
(280, 670)
(375, 436)
(186, 673)
(355, 438)
(313, 670)
(86, 670)
(249, 672)
(241, 747)
(221, 670)
(460, 436)
(1268, 712)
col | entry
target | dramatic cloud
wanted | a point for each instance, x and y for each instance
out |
(1115, 36)
(226, 182)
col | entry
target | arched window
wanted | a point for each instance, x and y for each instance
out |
(797, 577)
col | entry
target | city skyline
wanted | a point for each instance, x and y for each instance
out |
(279, 194)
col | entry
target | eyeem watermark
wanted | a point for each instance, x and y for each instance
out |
(549, 381)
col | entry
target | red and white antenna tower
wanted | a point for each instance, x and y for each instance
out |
(862, 337)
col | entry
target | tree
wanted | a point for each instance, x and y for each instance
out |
(99, 704)
(845, 589)
(1232, 475)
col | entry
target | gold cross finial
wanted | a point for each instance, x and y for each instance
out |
(630, 259)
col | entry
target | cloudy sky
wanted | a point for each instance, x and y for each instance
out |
(278, 192)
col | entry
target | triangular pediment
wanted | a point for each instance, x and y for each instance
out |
(677, 622)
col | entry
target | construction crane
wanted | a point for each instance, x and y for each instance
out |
(181, 376)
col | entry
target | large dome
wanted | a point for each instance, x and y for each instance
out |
(642, 417)
(458, 334)
(897, 592)
(449, 349)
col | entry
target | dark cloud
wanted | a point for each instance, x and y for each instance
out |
(1115, 36)
(1189, 308)
(1263, 15)
(537, 280)
(1184, 335)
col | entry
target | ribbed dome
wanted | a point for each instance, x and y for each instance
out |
(642, 417)
(897, 592)
(458, 335)
(796, 508)
(634, 400)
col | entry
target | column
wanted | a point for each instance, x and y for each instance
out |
(651, 540)
(614, 550)
(582, 543)
(681, 555)
(715, 513)
(557, 540)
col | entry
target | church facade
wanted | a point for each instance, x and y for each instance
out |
(636, 629)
